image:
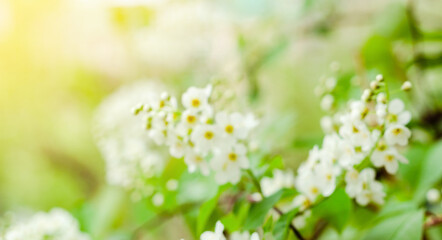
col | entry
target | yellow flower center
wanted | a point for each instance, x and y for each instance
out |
(229, 129)
(355, 129)
(314, 190)
(208, 135)
(191, 119)
(329, 177)
(397, 131)
(162, 104)
(195, 102)
(232, 157)
(389, 158)
(364, 186)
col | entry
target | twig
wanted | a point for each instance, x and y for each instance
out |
(433, 221)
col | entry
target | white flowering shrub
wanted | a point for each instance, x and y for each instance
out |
(56, 224)
(238, 137)
(205, 138)
(131, 157)
(364, 144)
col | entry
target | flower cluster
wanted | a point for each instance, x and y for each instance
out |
(372, 128)
(131, 156)
(281, 179)
(205, 138)
(219, 235)
(57, 224)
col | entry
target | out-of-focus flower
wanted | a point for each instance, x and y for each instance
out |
(204, 141)
(216, 235)
(183, 33)
(363, 187)
(433, 195)
(130, 155)
(279, 180)
(56, 224)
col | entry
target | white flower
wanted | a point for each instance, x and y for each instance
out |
(330, 83)
(216, 235)
(326, 174)
(195, 161)
(397, 134)
(309, 186)
(190, 119)
(327, 124)
(125, 147)
(231, 125)
(397, 113)
(244, 236)
(364, 187)
(370, 189)
(357, 133)
(433, 195)
(279, 180)
(205, 137)
(300, 221)
(302, 202)
(197, 98)
(56, 224)
(352, 182)
(327, 102)
(227, 163)
(172, 185)
(158, 199)
(177, 144)
(387, 157)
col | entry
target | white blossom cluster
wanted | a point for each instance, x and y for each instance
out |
(131, 156)
(55, 225)
(205, 138)
(281, 179)
(372, 128)
(219, 235)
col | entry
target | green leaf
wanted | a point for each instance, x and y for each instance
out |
(259, 211)
(411, 171)
(281, 229)
(336, 209)
(394, 208)
(406, 226)
(205, 211)
(233, 221)
(431, 171)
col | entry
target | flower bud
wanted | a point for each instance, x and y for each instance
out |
(381, 98)
(379, 78)
(366, 95)
(406, 86)
(433, 195)
(374, 85)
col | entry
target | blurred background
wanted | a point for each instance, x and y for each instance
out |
(60, 58)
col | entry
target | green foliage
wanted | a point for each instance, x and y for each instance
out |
(234, 220)
(336, 209)
(393, 22)
(411, 172)
(431, 171)
(204, 213)
(407, 225)
(282, 226)
(258, 211)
